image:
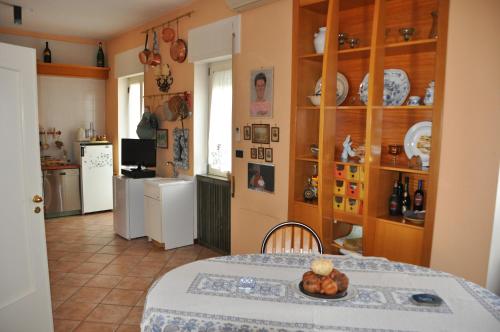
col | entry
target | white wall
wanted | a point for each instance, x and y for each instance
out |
(68, 104)
(493, 278)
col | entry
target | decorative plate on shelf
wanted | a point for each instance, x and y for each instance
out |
(396, 87)
(342, 88)
(418, 141)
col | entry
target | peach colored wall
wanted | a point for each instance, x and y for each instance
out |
(266, 42)
(204, 12)
(470, 152)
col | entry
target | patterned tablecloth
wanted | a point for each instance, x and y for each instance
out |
(204, 296)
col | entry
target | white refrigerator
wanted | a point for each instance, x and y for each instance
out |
(96, 175)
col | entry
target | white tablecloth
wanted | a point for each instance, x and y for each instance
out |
(204, 296)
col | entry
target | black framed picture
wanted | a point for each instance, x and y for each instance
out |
(260, 133)
(269, 155)
(275, 134)
(247, 133)
(253, 153)
(261, 177)
(261, 153)
(162, 138)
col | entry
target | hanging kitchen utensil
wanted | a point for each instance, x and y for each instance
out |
(169, 114)
(168, 34)
(178, 49)
(144, 55)
(156, 58)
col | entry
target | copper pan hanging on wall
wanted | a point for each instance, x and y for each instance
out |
(146, 53)
(178, 49)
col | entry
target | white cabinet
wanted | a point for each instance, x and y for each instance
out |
(128, 203)
(169, 211)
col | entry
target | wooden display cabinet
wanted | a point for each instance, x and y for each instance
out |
(376, 24)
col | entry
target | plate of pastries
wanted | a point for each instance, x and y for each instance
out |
(323, 281)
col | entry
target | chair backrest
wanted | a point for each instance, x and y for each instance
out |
(291, 237)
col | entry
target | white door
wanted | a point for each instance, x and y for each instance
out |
(97, 178)
(24, 278)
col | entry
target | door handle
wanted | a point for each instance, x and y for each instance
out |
(37, 199)
(232, 186)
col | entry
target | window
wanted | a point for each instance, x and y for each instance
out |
(135, 104)
(220, 118)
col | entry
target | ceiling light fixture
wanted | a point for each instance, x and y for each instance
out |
(18, 12)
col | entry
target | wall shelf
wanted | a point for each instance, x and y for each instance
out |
(59, 69)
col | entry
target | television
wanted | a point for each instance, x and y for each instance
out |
(138, 152)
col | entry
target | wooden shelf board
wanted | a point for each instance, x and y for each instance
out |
(349, 53)
(320, 6)
(307, 158)
(398, 220)
(338, 246)
(58, 69)
(350, 180)
(422, 45)
(398, 168)
(313, 204)
(348, 163)
(351, 108)
(308, 108)
(312, 57)
(348, 218)
(406, 107)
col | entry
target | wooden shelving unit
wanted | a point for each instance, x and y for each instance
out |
(58, 69)
(376, 23)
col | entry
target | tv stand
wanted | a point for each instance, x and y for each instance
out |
(139, 173)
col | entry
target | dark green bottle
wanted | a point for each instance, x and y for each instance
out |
(100, 56)
(406, 203)
(47, 54)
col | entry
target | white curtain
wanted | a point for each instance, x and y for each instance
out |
(219, 133)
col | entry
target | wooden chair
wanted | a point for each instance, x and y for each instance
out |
(291, 237)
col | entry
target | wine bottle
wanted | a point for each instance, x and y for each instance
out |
(394, 201)
(47, 54)
(100, 56)
(400, 188)
(406, 201)
(418, 202)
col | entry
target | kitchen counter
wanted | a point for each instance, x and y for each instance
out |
(57, 167)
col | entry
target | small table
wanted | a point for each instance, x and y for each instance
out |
(204, 296)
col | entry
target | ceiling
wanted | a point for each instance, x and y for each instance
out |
(96, 19)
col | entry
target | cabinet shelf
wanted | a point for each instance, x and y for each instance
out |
(413, 46)
(350, 53)
(340, 108)
(320, 6)
(398, 220)
(307, 158)
(313, 204)
(314, 108)
(348, 218)
(59, 69)
(406, 107)
(404, 169)
(312, 57)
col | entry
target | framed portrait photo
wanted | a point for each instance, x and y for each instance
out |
(247, 133)
(275, 134)
(261, 177)
(261, 93)
(261, 153)
(162, 138)
(260, 133)
(253, 153)
(269, 155)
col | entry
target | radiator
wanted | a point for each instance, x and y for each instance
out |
(214, 213)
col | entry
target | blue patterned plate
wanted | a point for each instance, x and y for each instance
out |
(396, 87)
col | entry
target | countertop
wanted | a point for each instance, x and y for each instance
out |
(56, 167)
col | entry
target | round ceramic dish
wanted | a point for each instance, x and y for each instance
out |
(396, 87)
(418, 141)
(342, 88)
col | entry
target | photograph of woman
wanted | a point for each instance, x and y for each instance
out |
(261, 93)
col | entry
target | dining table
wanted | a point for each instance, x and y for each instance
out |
(257, 292)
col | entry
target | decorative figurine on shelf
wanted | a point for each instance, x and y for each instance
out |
(311, 189)
(348, 151)
(429, 94)
(360, 153)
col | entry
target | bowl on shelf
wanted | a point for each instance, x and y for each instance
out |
(314, 150)
(315, 100)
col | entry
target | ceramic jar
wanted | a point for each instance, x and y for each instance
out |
(319, 40)
(429, 94)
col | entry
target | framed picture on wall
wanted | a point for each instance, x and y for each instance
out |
(261, 177)
(247, 133)
(261, 153)
(261, 93)
(260, 133)
(275, 134)
(162, 138)
(269, 155)
(253, 153)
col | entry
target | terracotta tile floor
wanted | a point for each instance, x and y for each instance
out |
(99, 280)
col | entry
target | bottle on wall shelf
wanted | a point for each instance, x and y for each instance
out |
(406, 200)
(418, 201)
(395, 201)
(100, 56)
(47, 54)
(400, 188)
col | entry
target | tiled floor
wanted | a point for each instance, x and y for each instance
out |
(99, 280)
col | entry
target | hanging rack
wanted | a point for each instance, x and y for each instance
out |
(188, 14)
(167, 94)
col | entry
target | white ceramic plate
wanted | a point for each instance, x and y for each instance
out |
(418, 141)
(342, 88)
(396, 87)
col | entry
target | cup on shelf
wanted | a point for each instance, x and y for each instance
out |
(414, 101)
(315, 100)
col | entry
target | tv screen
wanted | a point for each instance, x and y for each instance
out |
(138, 152)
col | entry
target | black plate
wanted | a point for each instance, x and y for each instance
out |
(322, 296)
